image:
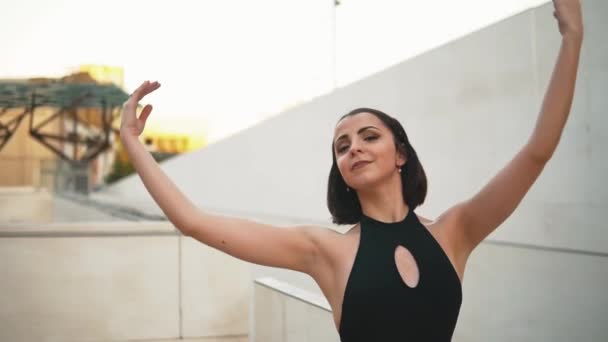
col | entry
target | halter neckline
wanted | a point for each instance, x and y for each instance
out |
(376, 221)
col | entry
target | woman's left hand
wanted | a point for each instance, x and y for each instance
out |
(569, 17)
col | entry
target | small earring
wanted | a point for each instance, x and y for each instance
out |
(399, 170)
(348, 189)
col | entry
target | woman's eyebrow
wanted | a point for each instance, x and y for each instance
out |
(358, 132)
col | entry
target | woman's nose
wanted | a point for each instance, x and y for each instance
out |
(355, 147)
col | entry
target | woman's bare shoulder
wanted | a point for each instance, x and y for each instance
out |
(330, 232)
(425, 220)
(331, 245)
(330, 240)
(448, 217)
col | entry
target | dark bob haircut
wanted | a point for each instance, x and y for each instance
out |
(344, 205)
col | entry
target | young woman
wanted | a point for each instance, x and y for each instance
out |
(395, 275)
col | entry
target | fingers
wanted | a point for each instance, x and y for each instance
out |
(144, 89)
(145, 113)
(148, 88)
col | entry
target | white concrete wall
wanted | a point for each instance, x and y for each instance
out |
(284, 313)
(38, 205)
(215, 290)
(468, 107)
(25, 204)
(117, 281)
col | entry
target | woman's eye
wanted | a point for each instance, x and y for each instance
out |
(370, 138)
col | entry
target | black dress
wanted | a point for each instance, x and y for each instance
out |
(379, 306)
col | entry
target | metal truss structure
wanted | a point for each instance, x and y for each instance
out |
(86, 111)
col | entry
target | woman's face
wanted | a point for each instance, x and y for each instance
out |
(363, 137)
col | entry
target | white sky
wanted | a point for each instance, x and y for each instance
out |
(224, 65)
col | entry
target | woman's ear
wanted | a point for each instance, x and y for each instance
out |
(401, 157)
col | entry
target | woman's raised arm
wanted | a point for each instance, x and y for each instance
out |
(289, 247)
(497, 200)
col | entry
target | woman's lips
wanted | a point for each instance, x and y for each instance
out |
(359, 165)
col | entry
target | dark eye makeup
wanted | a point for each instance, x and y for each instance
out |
(369, 138)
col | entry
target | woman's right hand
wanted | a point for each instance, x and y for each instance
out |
(569, 17)
(130, 124)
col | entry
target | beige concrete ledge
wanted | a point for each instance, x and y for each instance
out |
(284, 313)
(89, 288)
(22, 190)
(121, 228)
(294, 292)
(120, 280)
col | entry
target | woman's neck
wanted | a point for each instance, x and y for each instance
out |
(385, 203)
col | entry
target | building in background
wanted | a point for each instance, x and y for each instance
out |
(70, 140)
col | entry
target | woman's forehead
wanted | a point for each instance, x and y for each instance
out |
(354, 122)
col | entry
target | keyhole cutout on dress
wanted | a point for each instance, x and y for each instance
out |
(407, 267)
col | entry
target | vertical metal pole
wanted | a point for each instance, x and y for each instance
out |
(105, 114)
(333, 45)
(32, 106)
(31, 110)
(74, 133)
